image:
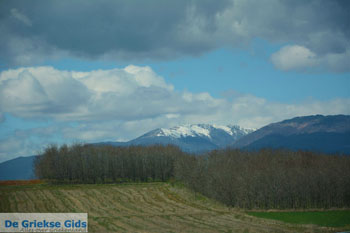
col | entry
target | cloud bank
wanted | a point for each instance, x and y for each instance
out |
(121, 104)
(162, 30)
(133, 93)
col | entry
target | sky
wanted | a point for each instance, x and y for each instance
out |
(112, 70)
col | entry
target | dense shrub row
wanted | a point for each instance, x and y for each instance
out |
(264, 179)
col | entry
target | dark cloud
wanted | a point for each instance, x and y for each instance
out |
(33, 31)
(127, 29)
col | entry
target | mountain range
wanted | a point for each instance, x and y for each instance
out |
(327, 134)
(195, 138)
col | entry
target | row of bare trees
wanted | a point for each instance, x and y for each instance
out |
(106, 164)
(262, 179)
(269, 179)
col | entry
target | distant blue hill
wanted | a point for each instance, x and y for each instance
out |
(326, 134)
(330, 143)
(20, 168)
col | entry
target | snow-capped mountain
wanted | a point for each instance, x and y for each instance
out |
(191, 138)
(217, 134)
(200, 130)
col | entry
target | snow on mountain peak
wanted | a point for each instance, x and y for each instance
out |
(202, 130)
(184, 131)
(224, 128)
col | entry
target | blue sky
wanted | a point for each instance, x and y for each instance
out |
(131, 67)
(242, 70)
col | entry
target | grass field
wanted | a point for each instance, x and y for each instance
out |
(151, 207)
(334, 218)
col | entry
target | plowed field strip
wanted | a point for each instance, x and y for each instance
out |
(137, 208)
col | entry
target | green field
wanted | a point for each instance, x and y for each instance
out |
(143, 207)
(334, 218)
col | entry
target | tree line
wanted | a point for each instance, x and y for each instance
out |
(106, 164)
(268, 179)
(245, 179)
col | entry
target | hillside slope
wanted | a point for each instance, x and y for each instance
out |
(20, 168)
(327, 134)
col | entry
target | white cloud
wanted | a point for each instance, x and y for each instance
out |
(294, 57)
(135, 94)
(119, 94)
(41, 91)
(300, 58)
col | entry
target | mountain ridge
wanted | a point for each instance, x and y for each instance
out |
(327, 134)
(193, 138)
